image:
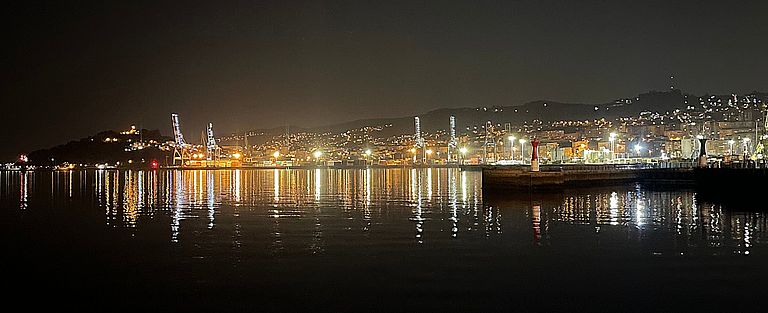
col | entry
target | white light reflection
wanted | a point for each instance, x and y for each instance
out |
(237, 187)
(639, 207)
(367, 187)
(276, 186)
(176, 210)
(100, 186)
(24, 190)
(70, 174)
(536, 221)
(464, 188)
(366, 206)
(429, 184)
(747, 238)
(211, 198)
(414, 183)
(317, 184)
(418, 213)
(140, 194)
(453, 203)
(614, 208)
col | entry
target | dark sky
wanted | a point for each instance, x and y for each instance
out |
(71, 68)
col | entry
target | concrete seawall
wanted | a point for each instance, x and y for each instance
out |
(512, 178)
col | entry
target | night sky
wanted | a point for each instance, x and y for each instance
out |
(72, 68)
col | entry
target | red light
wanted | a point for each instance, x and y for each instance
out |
(154, 164)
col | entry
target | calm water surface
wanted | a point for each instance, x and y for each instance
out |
(371, 240)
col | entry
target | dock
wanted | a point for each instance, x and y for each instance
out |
(556, 176)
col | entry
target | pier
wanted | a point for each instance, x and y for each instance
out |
(558, 176)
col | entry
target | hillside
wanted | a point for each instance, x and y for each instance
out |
(103, 147)
(544, 110)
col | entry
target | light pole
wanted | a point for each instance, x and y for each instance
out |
(317, 154)
(522, 149)
(427, 153)
(463, 151)
(612, 139)
(730, 146)
(511, 147)
(746, 147)
(367, 155)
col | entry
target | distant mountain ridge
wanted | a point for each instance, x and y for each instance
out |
(544, 110)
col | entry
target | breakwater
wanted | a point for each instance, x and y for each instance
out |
(552, 177)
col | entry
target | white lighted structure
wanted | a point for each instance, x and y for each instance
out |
(179, 149)
(210, 143)
(745, 147)
(417, 136)
(512, 147)
(367, 153)
(453, 141)
(730, 146)
(490, 143)
(177, 135)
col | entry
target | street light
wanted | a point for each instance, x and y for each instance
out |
(730, 148)
(511, 147)
(612, 139)
(463, 151)
(746, 145)
(522, 149)
(367, 155)
(275, 155)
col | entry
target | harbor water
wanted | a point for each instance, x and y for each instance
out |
(377, 240)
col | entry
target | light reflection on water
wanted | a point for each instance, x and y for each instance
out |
(318, 207)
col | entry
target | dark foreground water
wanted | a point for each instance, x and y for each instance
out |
(370, 240)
